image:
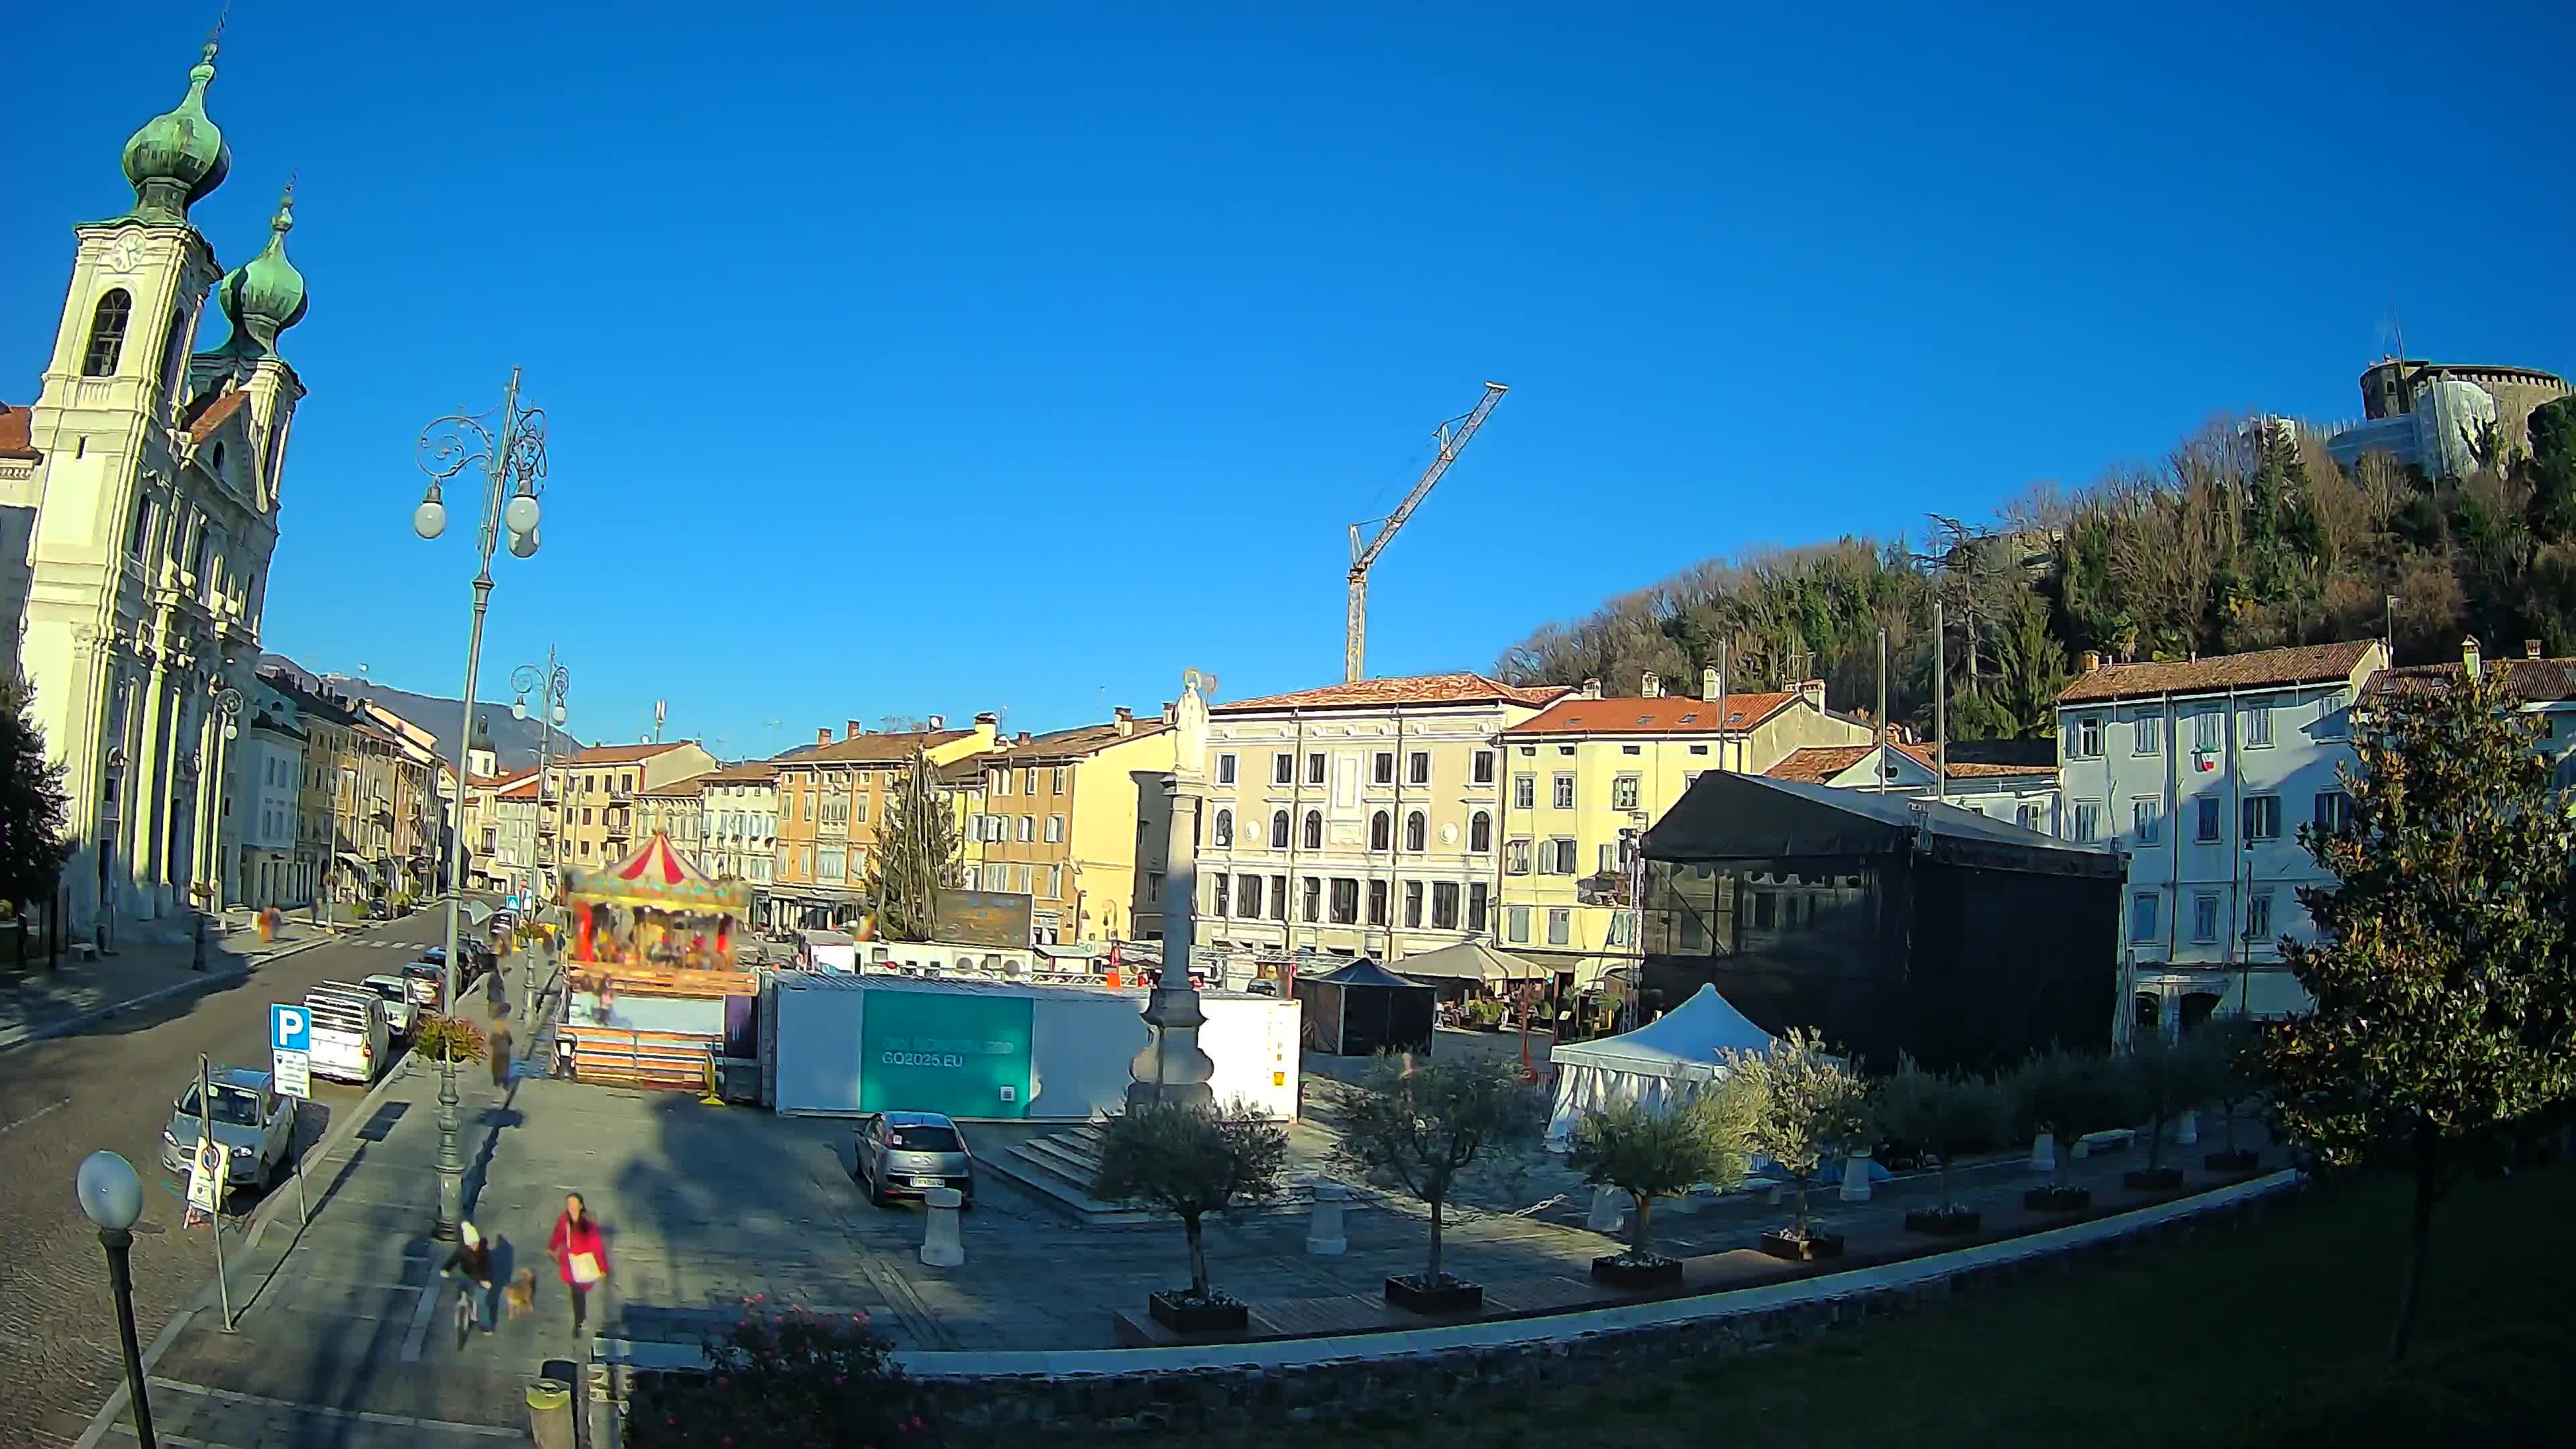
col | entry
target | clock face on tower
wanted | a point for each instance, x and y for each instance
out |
(126, 254)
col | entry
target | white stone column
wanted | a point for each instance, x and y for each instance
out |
(1325, 1237)
(1609, 1210)
(151, 784)
(2043, 1152)
(1856, 1177)
(941, 1247)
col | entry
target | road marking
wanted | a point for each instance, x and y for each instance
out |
(365, 1416)
(32, 1116)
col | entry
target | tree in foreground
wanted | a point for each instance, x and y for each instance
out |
(2173, 1076)
(1650, 1156)
(2444, 1023)
(33, 807)
(1190, 1163)
(2067, 1095)
(2236, 1050)
(916, 856)
(1427, 1125)
(1809, 1109)
(1948, 1116)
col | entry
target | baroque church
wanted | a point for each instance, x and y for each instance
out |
(138, 515)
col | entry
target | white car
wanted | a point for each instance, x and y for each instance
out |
(398, 1004)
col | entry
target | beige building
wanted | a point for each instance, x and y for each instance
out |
(677, 810)
(832, 800)
(740, 840)
(592, 792)
(1355, 819)
(1059, 824)
(1587, 775)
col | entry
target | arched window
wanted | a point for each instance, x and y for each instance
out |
(1224, 829)
(1381, 831)
(107, 334)
(174, 357)
(1278, 830)
(1480, 832)
(1314, 830)
(1417, 832)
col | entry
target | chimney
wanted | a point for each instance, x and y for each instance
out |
(2530, 648)
(2469, 656)
(1591, 690)
(1023, 737)
(1652, 687)
(822, 736)
(1708, 682)
(2092, 661)
(852, 729)
(1169, 717)
(939, 721)
(987, 717)
(1124, 718)
(1814, 690)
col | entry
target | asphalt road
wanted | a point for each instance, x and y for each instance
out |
(112, 1086)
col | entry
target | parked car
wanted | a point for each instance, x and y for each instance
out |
(906, 1154)
(253, 1122)
(352, 1031)
(427, 978)
(398, 1004)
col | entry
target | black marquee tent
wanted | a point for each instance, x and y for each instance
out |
(1364, 1009)
(1888, 924)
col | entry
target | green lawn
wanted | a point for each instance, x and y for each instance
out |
(2186, 1343)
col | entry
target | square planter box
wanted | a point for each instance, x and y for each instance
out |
(1662, 1273)
(1450, 1295)
(1780, 1243)
(2243, 1159)
(1173, 1311)
(2057, 1199)
(1951, 1224)
(2151, 1179)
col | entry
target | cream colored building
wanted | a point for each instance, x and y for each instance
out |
(740, 839)
(678, 810)
(594, 792)
(1355, 819)
(1588, 774)
(143, 483)
(1058, 824)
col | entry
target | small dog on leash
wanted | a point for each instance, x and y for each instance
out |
(521, 1294)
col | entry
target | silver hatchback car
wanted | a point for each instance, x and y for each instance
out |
(906, 1154)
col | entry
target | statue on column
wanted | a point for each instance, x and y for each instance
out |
(1172, 1069)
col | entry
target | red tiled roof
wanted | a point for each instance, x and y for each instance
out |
(619, 754)
(1070, 744)
(873, 749)
(2533, 681)
(1665, 714)
(1460, 688)
(2262, 669)
(17, 433)
(751, 772)
(524, 790)
(1817, 764)
(690, 786)
(210, 414)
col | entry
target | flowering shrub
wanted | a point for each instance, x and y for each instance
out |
(779, 1378)
(448, 1038)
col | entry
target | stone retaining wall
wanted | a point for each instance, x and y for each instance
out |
(1329, 1379)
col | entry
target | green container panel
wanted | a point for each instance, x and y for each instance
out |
(949, 1052)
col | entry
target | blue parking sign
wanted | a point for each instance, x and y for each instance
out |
(290, 1029)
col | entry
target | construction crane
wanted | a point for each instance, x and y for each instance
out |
(1452, 437)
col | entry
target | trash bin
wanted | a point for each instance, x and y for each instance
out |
(550, 1414)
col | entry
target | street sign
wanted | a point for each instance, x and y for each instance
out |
(290, 1029)
(294, 1073)
(206, 1177)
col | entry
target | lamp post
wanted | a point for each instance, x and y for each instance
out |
(512, 458)
(111, 1197)
(552, 685)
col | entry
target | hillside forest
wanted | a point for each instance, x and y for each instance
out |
(2247, 536)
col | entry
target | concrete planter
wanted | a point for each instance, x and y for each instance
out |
(2243, 1159)
(1954, 1223)
(2057, 1199)
(2151, 1179)
(1408, 1291)
(1783, 1243)
(1182, 1314)
(1612, 1269)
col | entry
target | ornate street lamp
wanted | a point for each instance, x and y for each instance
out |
(511, 455)
(552, 685)
(111, 1197)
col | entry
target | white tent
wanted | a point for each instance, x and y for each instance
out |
(1655, 1066)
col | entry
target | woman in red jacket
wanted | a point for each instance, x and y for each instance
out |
(580, 1254)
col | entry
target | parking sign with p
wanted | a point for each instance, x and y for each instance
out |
(290, 1029)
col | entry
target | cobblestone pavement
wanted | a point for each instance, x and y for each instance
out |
(110, 1085)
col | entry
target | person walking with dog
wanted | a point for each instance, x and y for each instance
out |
(471, 1262)
(581, 1256)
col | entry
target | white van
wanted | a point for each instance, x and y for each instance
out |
(826, 951)
(352, 1041)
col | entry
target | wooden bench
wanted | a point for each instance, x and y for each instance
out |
(2117, 1139)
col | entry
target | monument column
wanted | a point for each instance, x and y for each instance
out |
(1172, 1070)
(154, 779)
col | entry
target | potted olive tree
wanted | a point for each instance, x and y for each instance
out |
(1948, 1117)
(1650, 1156)
(1810, 1107)
(1427, 1124)
(2235, 1048)
(2173, 1077)
(1190, 1162)
(2067, 1095)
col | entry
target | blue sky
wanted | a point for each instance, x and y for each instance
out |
(938, 359)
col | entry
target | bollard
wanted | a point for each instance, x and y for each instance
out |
(1609, 1210)
(550, 1413)
(2043, 1152)
(2187, 1129)
(940, 1245)
(1856, 1177)
(1324, 1235)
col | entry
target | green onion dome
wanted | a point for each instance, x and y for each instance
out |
(179, 156)
(265, 295)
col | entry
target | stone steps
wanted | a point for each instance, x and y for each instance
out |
(1061, 1166)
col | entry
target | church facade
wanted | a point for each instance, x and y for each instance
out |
(139, 494)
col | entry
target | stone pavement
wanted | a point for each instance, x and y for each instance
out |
(39, 1002)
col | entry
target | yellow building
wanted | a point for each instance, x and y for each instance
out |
(1058, 824)
(832, 800)
(1587, 772)
(596, 788)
